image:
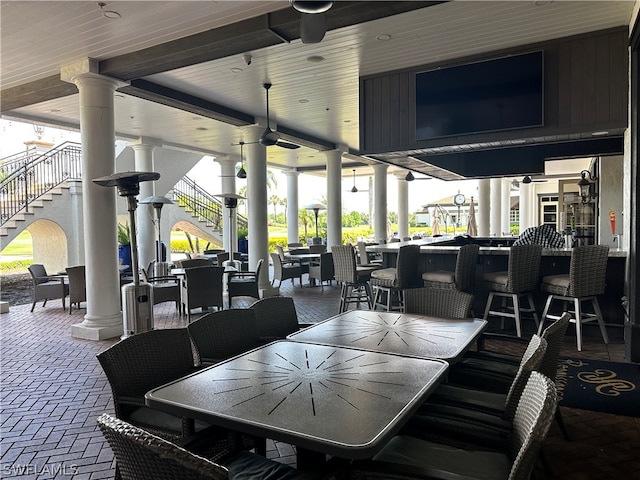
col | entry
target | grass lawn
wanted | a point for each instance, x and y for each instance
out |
(21, 245)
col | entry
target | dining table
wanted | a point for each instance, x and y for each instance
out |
(324, 399)
(392, 332)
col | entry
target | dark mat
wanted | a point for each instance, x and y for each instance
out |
(600, 386)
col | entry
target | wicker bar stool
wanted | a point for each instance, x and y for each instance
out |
(389, 283)
(353, 279)
(463, 278)
(584, 282)
(520, 280)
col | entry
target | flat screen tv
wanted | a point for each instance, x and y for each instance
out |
(501, 94)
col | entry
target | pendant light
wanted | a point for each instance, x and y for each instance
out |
(242, 173)
(354, 189)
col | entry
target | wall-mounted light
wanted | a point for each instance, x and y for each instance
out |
(587, 186)
(242, 173)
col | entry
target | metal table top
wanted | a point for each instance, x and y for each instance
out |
(328, 399)
(393, 332)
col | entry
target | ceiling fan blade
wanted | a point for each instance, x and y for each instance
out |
(313, 27)
(290, 146)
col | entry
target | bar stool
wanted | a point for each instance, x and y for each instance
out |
(392, 281)
(463, 278)
(520, 280)
(353, 279)
(585, 280)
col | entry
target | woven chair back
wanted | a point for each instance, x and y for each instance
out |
(276, 317)
(77, 284)
(344, 263)
(220, 335)
(139, 454)
(530, 424)
(407, 267)
(587, 270)
(531, 360)
(465, 273)
(203, 287)
(195, 262)
(438, 302)
(554, 335)
(38, 273)
(524, 268)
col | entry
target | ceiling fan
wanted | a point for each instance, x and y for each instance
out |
(270, 137)
(313, 22)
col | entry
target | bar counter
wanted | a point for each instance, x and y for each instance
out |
(493, 256)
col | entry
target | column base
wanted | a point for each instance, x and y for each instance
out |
(4, 307)
(98, 328)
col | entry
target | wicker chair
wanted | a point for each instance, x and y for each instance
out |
(407, 457)
(202, 288)
(46, 287)
(322, 269)
(467, 417)
(276, 318)
(220, 335)
(353, 279)
(463, 278)
(140, 455)
(195, 262)
(142, 362)
(585, 281)
(77, 285)
(317, 248)
(283, 271)
(520, 279)
(389, 283)
(244, 284)
(438, 302)
(166, 288)
(365, 258)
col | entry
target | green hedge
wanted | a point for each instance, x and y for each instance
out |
(15, 266)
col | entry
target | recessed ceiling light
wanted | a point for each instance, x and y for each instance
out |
(347, 121)
(383, 37)
(54, 110)
(202, 129)
(303, 100)
(315, 59)
(110, 14)
(236, 70)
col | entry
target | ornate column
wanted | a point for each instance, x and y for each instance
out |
(97, 133)
(403, 205)
(380, 202)
(484, 206)
(334, 197)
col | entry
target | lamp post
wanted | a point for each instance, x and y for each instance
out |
(316, 207)
(160, 268)
(231, 202)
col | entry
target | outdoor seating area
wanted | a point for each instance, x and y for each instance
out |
(307, 307)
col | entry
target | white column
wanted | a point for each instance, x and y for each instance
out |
(506, 206)
(145, 213)
(403, 205)
(526, 206)
(257, 200)
(75, 246)
(230, 215)
(380, 202)
(97, 132)
(334, 197)
(293, 225)
(495, 210)
(484, 206)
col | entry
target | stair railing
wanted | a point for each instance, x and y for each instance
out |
(28, 177)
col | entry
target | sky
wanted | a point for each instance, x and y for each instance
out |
(311, 188)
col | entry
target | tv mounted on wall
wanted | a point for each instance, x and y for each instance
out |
(501, 94)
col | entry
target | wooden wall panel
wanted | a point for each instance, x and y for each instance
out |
(586, 89)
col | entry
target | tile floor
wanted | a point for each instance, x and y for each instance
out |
(53, 389)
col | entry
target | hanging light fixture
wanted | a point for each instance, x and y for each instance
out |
(242, 173)
(410, 177)
(354, 189)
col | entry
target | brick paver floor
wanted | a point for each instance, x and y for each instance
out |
(53, 389)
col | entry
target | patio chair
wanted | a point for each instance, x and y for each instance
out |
(166, 288)
(46, 287)
(462, 278)
(77, 286)
(140, 455)
(202, 288)
(408, 457)
(283, 271)
(467, 417)
(391, 283)
(195, 262)
(276, 318)
(244, 284)
(322, 269)
(438, 302)
(353, 279)
(220, 335)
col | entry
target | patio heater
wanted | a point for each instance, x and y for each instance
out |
(137, 301)
(231, 202)
(316, 207)
(160, 267)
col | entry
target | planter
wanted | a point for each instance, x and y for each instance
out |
(243, 245)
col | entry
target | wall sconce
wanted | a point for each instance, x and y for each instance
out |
(587, 186)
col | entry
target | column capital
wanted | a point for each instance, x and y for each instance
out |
(291, 173)
(380, 167)
(146, 142)
(87, 69)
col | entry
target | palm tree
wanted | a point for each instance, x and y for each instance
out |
(243, 191)
(272, 181)
(274, 200)
(306, 219)
(283, 202)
